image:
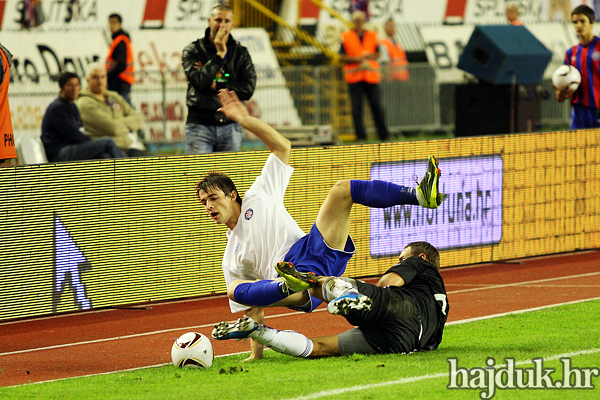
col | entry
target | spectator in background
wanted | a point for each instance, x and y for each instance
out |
(359, 52)
(360, 5)
(7, 140)
(211, 63)
(106, 113)
(393, 56)
(585, 101)
(119, 61)
(62, 129)
(512, 15)
(394, 73)
(559, 10)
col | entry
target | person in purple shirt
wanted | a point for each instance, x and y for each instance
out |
(63, 133)
(585, 57)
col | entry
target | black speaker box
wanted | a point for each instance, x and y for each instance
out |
(495, 53)
(485, 109)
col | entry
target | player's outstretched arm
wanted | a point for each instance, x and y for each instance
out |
(390, 279)
(234, 109)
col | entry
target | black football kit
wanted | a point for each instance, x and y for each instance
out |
(405, 318)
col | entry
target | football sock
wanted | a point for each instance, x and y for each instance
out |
(381, 194)
(335, 287)
(286, 342)
(260, 293)
(420, 198)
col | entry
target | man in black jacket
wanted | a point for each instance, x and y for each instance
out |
(211, 63)
(62, 129)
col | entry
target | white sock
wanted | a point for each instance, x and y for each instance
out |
(420, 198)
(286, 342)
(336, 287)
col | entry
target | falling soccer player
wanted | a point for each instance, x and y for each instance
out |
(262, 233)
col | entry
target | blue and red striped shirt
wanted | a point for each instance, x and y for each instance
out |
(586, 58)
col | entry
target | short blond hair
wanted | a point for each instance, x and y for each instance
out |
(93, 67)
(359, 14)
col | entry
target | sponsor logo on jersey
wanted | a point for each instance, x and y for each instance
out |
(249, 213)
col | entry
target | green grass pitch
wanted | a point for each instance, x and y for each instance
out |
(569, 329)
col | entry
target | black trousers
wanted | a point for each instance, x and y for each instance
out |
(90, 150)
(357, 92)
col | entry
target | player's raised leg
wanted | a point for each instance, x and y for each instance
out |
(333, 220)
(286, 342)
(428, 189)
(343, 297)
(295, 280)
(340, 293)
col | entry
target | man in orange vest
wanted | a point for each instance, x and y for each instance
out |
(393, 54)
(7, 141)
(359, 52)
(119, 61)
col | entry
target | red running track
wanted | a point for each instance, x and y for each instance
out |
(92, 342)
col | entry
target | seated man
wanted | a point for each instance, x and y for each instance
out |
(106, 113)
(62, 130)
(406, 311)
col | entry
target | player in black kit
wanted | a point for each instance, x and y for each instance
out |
(404, 312)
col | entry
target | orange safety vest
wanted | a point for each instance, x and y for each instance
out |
(357, 72)
(127, 75)
(7, 140)
(398, 60)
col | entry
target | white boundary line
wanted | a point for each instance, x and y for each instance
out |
(472, 285)
(140, 306)
(191, 328)
(116, 372)
(504, 314)
(354, 388)
(209, 297)
(503, 285)
(424, 377)
(515, 261)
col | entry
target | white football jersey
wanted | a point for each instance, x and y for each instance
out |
(265, 230)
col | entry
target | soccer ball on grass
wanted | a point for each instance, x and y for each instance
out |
(192, 350)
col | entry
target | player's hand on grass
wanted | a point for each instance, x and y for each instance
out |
(253, 357)
(232, 106)
(256, 351)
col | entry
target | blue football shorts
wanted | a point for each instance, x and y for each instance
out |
(311, 254)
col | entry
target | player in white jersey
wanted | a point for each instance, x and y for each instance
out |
(262, 233)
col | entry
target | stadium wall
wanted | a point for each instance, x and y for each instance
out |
(113, 232)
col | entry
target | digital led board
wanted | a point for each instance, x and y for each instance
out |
(471, 215)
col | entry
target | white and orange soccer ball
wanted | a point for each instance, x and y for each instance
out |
(192, 350)
(566, 75)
